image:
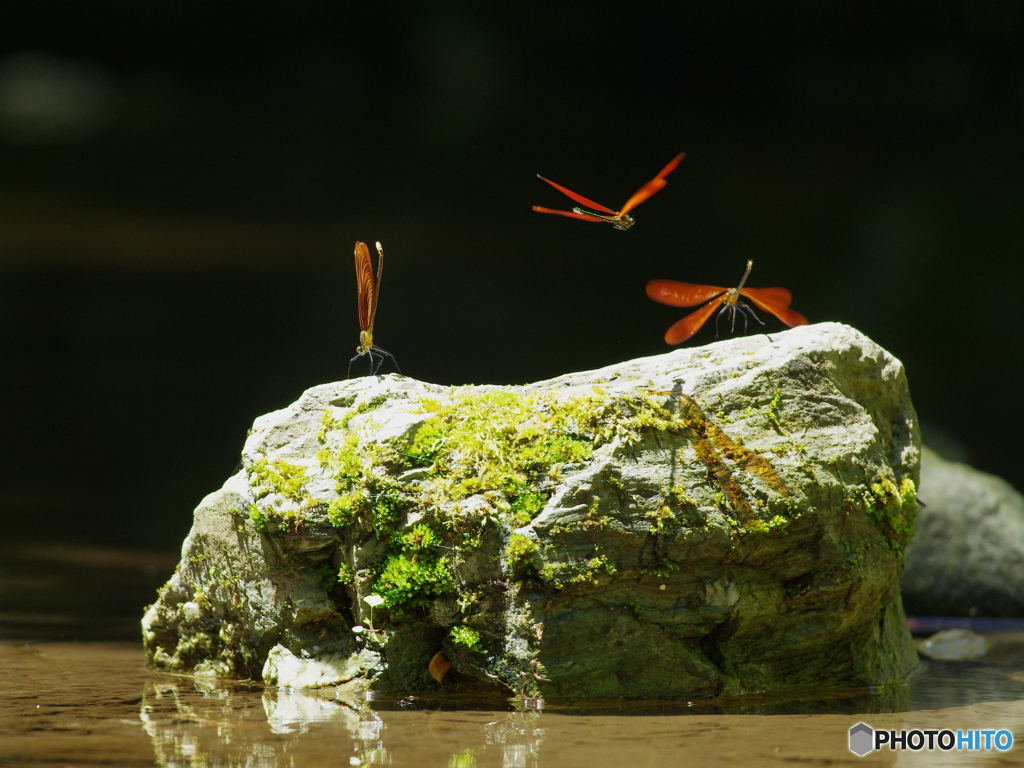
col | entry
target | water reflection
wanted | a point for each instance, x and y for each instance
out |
(194, 722)
(205, 722)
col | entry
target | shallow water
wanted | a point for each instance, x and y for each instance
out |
(96, 703)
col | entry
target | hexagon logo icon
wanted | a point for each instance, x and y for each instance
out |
(861, 739)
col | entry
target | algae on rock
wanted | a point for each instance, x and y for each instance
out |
(726, 519)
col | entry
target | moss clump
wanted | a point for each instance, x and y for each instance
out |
(662, 520)
(345, 575)
(327, 577)
(661, 569)
(280, 477)
(678, 496)
(579, 570)
(414, 573)
(519, 548)
(286, 480)
(894, 509)
(467, 637)
(526, 506)
(764, 526)
(364, 487)
(327, 423)
(503, 447)
(496, 441)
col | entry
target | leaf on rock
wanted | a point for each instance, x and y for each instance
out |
(439, 665)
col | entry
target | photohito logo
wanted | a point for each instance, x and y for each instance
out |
(864, 739)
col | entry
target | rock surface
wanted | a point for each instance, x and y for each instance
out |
(713, 521)
(953, 645)
(967, 558)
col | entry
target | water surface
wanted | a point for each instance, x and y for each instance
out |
(75, 690)
(87, 703)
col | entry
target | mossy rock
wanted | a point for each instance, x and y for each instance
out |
(728, 519)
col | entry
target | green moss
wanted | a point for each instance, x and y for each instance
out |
(347, 464)
(893, 509)
(280, 477)
(662, 519)
(503, 446)
(327, 577)
(499, 444)
(578, 570)
(364, 486)
(259, 520)
(386, 501)
(327, 423)
(494, 441)
(661, 570)
(764, 526)
(197, 645)
(772, 412)
(409, 580)
(519, 547)
(908, 493)
(854, 554)
(468, 637)
(286, 480)
(790, 447)
(414, 574)
(467, 598)
(527, 505)
(343, 510)
(345, 575)
(678, 496)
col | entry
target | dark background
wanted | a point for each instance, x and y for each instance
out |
(181, 185)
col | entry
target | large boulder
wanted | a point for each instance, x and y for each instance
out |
(968, 556)
(718, 520)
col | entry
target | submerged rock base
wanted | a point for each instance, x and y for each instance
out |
(714, 521)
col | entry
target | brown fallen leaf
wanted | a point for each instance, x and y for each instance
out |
(438, 666)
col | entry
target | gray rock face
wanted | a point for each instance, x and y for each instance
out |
(969, 549)
(717, 520)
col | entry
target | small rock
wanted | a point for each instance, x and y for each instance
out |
(953, 645)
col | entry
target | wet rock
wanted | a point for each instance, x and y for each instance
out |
(953, 645)
(967, 557)
(284, 669)
(718, 520)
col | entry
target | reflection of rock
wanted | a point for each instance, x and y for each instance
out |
(210, 725)
(967, 557)
(214, 724)
(291, 711)
(725, 519)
